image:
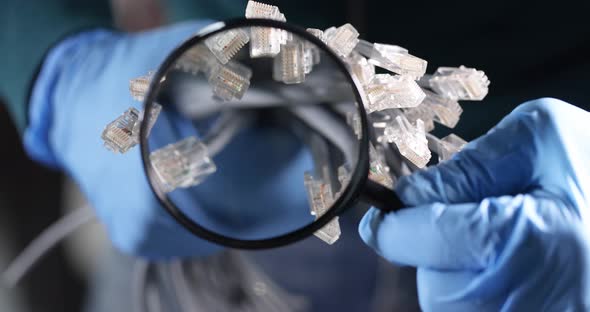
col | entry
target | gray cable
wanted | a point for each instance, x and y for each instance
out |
(166, 288)
(326, 85)
(45, 242)
(138, 286)
(153, 299)
(181, 286)
(334, 130)
(229, 124)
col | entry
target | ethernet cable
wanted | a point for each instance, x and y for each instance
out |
(48, 239)
(326, 124)
(181, 286)
(138, 282)
(225, 128)
(319, 88)
(226, 281)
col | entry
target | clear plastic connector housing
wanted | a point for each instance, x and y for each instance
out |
(139, 86)
(445, 111)
(319, 195)
(197, 59)
(376, 90)
(330, 232)
(285, 35)
(354, 121)
(378, 170)
(256, 9)
(265, 41)
(387, 91)
(329, 32)
(410, 140)
(361, 68)
(342, 40)
(311, 53)
(153, 117)
(376, 49)
(311, 56)
(460, 83)
(318, 33)
(230, 80)
(226, 44)
(320, 198)
(422, 112)
(289, 65)
(449, 146)
(343, 178)
(119, 135)
(393, 58)
(183, 164)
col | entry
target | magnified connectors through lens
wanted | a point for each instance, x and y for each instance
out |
(260, 136)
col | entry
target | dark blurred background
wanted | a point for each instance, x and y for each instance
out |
(528, 49)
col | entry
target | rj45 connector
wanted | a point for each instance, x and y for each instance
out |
(410, 140)
(119, 135)
(388, 91)
(460, 83)
(230, 81)
(183, 164)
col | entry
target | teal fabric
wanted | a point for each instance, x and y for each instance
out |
(180, 10)
(27, 30)
(533, 50)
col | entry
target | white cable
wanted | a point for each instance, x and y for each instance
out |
(43, 243)
(224, 131)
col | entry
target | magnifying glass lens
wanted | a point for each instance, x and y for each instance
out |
(258, 135)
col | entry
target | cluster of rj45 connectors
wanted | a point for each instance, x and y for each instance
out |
(403, 102)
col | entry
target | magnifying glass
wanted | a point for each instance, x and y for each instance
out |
(264, 139)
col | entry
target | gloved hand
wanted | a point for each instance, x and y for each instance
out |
(503, 225)
(83, 85)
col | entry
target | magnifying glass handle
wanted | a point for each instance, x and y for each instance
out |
(381, 197)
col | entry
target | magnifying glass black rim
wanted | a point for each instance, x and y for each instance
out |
(350, 195)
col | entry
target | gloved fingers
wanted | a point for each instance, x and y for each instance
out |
(499, 163)
(437, 292)
(446, 237)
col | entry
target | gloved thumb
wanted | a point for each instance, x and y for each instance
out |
(442, 237)
(499, 163)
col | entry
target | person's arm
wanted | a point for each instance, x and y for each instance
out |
(82, 84)
(503, 225)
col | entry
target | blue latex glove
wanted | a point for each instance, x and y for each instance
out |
(503, 225)
(83, 85)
